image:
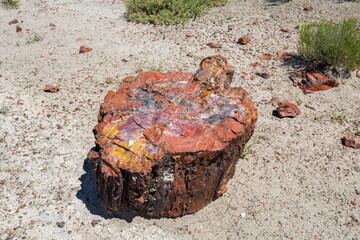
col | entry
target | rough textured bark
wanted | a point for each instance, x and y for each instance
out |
(167, 144)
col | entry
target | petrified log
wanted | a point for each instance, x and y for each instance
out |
(167, 144)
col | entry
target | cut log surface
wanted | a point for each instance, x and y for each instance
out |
(167, 143)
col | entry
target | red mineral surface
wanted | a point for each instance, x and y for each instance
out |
(167, 143)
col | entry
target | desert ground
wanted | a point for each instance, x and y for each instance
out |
(296, 180)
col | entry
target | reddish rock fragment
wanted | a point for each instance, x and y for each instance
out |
(281, 55)
(351, 141)
(18, 28)
(310, 81)
(287, 109)
(167, 144)
(353, 203)
(52, 89)
(189, 54)
(274, 100)
(244, 40)
(285, 30)
(84, 49)
(188, 35)
(214, 45)
(15, 21)
(266, 56)
(322, 11)
(255, 64)
(263, 75)
(52, 25)
(308, 7)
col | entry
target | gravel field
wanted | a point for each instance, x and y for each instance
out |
(296, 182)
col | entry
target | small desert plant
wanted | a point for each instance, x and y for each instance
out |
(329, 44)
(11, 3)
(168, 11)
(34, 38)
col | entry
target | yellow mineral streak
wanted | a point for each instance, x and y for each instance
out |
(132, 155)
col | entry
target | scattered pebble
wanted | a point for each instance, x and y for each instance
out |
(60, 224)
(266, 56)
(214, 45)
(353, 203)
(285, 30)
(94, 222)
(287, 109)
(308, 7)
(84, 49)
(244, 40)
(351, 141)
(15, 21)
(52, 89)
(18, 28)
(263, 75)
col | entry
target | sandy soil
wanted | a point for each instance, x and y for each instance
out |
(297, 182)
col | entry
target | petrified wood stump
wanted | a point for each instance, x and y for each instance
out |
(167, 144)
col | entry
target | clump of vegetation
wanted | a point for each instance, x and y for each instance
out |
(34, 38)
(168, 11)
(329, 44)
(11, 3)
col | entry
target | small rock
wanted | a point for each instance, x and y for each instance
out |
(52, 89)
(287, 109)
(15, 21)
(244, 40)
(263, 75)
(281, 55)
(308, 7)
(243, 215)
(84, 49)
(358, 73)
(18, 28)
(124, 60)
(189, 55)
(351, 141)
(285, 30)
(60, 224)
(52, 25)
(94, 222)
(322, 11)
(230, 27)
(353, 203)
(266, 56)
(255, 64)
(214, 45)
(274, 100)
(188, 35)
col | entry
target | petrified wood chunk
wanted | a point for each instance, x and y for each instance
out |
(310, 81)
(167, 144)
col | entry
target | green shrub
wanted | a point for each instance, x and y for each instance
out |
(329, 44)
(11, 3)
(168, 11)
